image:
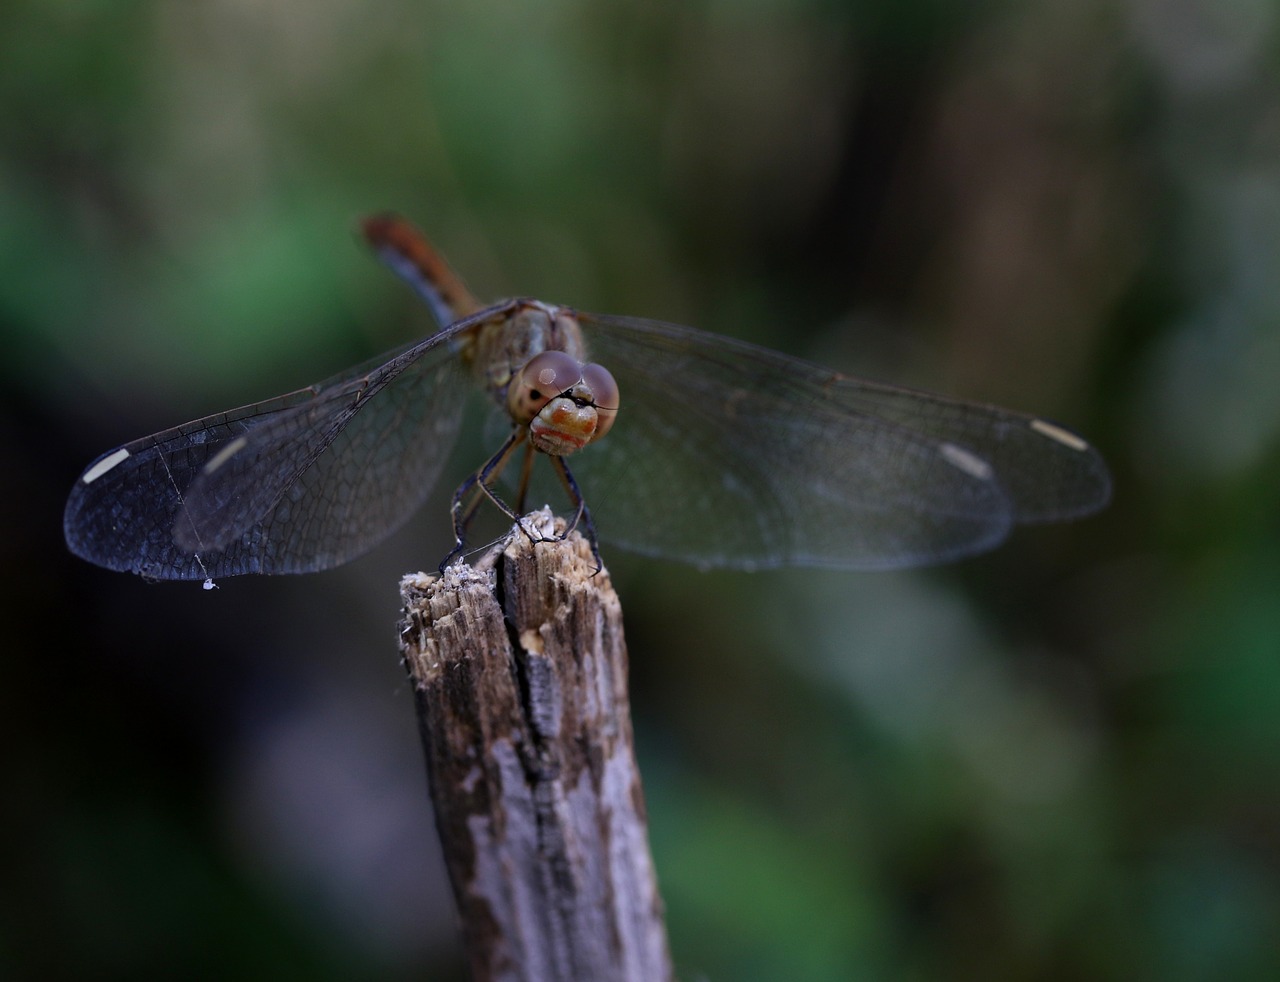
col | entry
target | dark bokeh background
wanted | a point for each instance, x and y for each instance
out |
(1059, 761)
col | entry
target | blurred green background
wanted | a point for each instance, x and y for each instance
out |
(1058, 761)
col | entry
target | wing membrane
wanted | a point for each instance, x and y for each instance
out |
(727, 454)
(294, 484)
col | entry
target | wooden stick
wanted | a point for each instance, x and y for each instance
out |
(519, 669)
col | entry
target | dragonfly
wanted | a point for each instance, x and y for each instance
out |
(690, 446)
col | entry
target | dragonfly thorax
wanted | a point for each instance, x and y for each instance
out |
(505, 344)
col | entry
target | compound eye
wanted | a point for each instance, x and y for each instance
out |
(604, 396)
(543, 377)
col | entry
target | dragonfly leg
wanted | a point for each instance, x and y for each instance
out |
(487, 490)
(460, 521)
(582, 514)
(479, 483)
(526, 470)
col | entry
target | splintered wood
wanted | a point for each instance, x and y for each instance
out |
(519, 668)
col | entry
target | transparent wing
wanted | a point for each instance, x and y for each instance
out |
(727, 454)
(294, 484)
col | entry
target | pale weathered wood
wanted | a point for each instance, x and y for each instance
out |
(519, 669)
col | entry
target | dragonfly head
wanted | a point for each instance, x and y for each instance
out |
(565, 404)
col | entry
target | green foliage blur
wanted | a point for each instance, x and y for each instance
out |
(1059, 761)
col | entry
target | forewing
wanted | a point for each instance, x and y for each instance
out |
(726, 454)
(294, 484)
(1049, 472)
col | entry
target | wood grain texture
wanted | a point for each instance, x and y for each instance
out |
(519, 668)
